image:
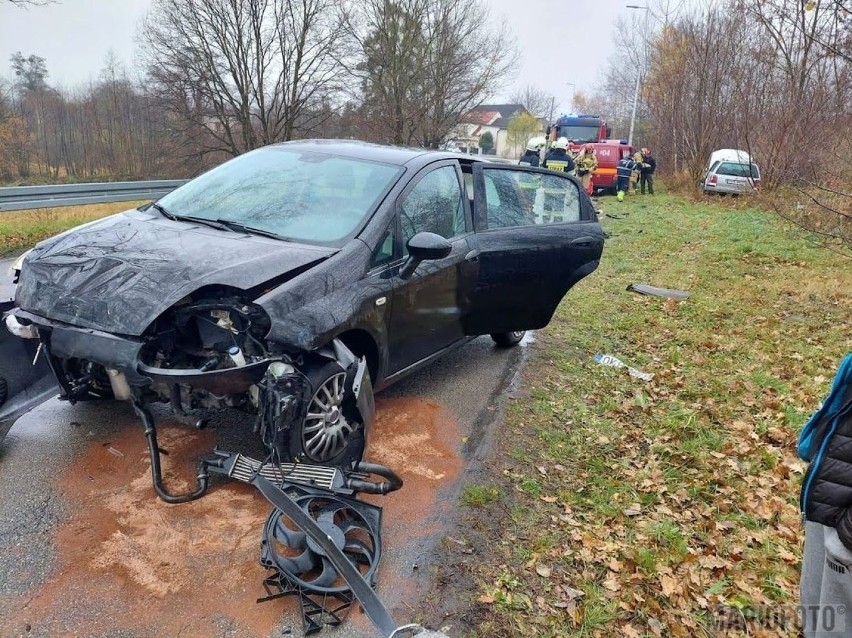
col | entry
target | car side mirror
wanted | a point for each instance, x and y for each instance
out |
(424, 247)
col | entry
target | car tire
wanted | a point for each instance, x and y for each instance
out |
(508, 339)
(325, 436)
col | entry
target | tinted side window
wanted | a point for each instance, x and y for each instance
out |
(434, 205)
(518, 198)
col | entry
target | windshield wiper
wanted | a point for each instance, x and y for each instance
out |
(219, 224)
(201, 220)
(238, 227)
(159, 208)
(185, 218)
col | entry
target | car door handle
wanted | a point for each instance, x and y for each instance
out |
(473, 255)
(583, 241)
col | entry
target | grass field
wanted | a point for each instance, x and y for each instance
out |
(629, 508)
(20, 230)
(619, 507)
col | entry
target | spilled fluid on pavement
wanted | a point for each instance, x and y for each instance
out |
(129, 564)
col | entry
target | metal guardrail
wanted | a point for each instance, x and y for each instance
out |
(27, 197)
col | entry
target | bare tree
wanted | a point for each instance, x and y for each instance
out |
(237, 74)
(773, 77)
(30, 72)
(425, 63)
(537, 101)
(392, 66)
(105, 129)
(31, 3)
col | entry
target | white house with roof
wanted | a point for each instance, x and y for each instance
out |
(487, 118)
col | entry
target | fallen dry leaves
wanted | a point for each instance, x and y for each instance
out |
(670, 505)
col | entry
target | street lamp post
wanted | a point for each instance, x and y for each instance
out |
(573, 94)
(647, 10)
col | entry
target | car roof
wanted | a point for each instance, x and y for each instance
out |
(730, 155)
(398, 155)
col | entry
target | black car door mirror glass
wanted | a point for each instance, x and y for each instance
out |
(526, 198)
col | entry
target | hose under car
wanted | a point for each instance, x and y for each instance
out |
(156, 472)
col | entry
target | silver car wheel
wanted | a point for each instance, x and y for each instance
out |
(326, 431)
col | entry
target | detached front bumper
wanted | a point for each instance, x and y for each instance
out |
(122, 355)
(26, 379)
(64, 341)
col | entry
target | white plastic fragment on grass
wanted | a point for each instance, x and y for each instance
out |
(614, 362)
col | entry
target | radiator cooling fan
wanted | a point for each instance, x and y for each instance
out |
(352, 525)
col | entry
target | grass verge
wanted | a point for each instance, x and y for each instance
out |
(21, 230)
(635, 508)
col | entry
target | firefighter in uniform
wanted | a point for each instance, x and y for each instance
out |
(531, 156)
(634, 176)
(625, 169)
(530, 183)
(586, 162)
(557, 158)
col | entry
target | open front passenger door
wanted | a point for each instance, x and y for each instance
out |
(537, 235)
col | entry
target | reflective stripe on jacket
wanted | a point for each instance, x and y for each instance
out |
(626, 166)
(559, 160)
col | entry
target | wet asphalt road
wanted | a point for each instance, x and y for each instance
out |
(43, 450)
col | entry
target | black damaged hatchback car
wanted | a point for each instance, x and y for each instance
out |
(290, 282)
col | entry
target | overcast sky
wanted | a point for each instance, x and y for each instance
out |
(561, 41)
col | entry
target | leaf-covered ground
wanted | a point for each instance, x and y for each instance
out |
(621, 507)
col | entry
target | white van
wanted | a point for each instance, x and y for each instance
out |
(730, 171)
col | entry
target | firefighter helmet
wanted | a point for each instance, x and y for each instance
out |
(562, 143)
(536, 143)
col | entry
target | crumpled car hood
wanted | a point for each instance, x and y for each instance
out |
(121, 273)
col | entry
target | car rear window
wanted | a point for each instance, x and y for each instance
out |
(738, 170)
(299, 195)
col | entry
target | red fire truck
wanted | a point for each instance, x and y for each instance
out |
(592, 129)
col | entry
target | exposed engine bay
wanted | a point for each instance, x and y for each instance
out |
(209, 351)
(320, 544)
(205, 335)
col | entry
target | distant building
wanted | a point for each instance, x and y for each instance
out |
(486, 118)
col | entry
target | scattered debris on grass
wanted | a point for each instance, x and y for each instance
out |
(678, 503)
(613, 362)
(653, 291)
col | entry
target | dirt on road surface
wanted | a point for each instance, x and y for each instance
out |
(132, 565)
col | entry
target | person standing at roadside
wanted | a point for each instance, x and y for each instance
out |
(531, 156)
(558, 159)
(586, 163)
(825, 588)
(634, 176)
(646, 172)
(624, 170)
